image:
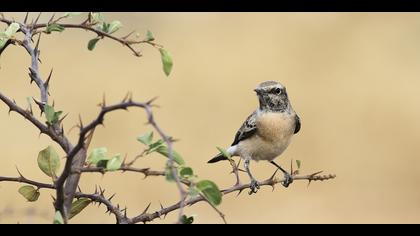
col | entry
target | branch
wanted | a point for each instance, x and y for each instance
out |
(85, 130)
(146, 171)
(272, 181)
(34, 69)
(89, 27)
(22, 179)
(101, 199)
(61, 140)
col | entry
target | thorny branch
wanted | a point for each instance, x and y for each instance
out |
(56, 133)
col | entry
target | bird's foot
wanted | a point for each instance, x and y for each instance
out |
(254, 186)
(288, 179)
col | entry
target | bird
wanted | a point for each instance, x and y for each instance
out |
(266, 133)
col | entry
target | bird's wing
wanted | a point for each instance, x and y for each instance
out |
(248, 128)
(297, 124)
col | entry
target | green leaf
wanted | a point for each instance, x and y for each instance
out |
(193, 191)
(105, 27)
(176, 157)
(187, 220)
(166, 61)
(102, 163)
(146, 138)
(58, 218)
(114, 26)
(224, 152)
(29, 192)
(114, 163)
(298, 163)
(49, 161)
(186, 172)
(12, 29)
(54, 27)
(96, 17)
(3, 42)
(169, 175)
(149, 36)
(92, 43)
(71, 14)
(155, 146)
(97, 155)
(51, 115)
(78, 206)
(210, 191)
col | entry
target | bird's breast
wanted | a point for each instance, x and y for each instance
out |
(274, 133)
(275, 127)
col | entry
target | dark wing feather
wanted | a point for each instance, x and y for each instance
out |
(248, 128)
(297, 124)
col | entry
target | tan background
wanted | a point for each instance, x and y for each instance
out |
(353, 79)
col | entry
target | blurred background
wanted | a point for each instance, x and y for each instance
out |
(352, 77)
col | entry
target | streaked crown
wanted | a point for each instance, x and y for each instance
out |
(272, 96)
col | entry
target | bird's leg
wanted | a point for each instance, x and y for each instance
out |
(254, 186)
(288, 178)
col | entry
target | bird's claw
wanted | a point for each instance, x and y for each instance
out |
(288, 179)
(254, 186)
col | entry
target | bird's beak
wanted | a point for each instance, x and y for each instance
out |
(257, 90)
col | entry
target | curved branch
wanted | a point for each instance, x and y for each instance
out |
(60, 140)
(88, 27)
(120, 217)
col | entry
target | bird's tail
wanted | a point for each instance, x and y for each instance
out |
(217, 158)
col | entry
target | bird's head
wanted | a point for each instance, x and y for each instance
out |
(272, 96)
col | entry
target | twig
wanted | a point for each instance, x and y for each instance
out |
(22, 179)
(269, 182)
(146, 171)
(61, 140)
(101, 199)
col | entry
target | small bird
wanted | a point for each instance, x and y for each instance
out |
(267, 132)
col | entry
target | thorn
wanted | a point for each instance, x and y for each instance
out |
(36, 21)
(96, 189)
(79, 189)
(20, 174)
(103, 101)
(125, 97)
(63, 117)
(291, 166)
(128, 35)
(151, 100)
(46, 84)
(26, 18)
(37, 46)
(272, 177)
(110, 198)
(239, 192)
(80, 121)
(241, 170)
(161, 206)
(125, 212)
(147, 208)
(317, 173)
(52, 17)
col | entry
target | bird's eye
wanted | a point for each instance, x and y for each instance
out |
(277, 91)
